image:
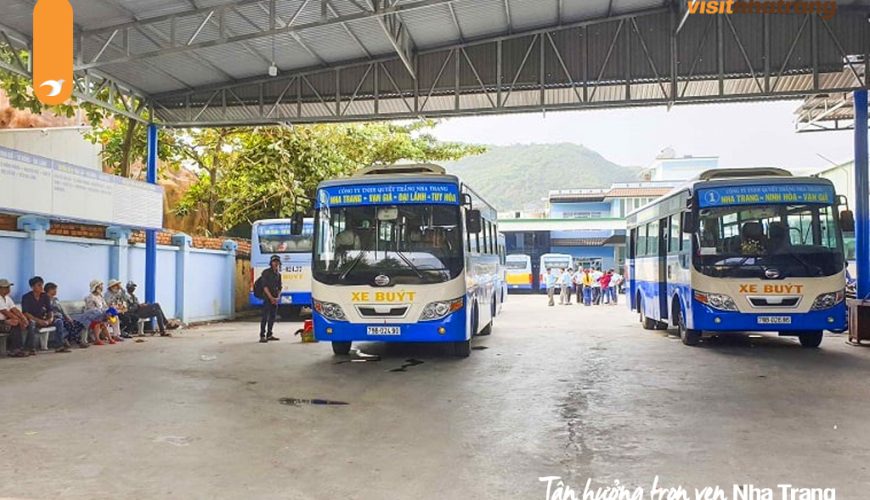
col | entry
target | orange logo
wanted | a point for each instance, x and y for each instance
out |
(52, 51)
(827, 9)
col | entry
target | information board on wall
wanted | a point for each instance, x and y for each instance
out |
(34, 185)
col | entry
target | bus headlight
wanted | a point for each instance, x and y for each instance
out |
(438, 310)
(828, 300)
(329, 310)
(717, 301)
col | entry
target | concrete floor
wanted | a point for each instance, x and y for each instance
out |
(564, 391)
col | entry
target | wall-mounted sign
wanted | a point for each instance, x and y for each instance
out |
(35, 185)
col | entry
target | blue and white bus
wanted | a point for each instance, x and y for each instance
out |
(278, 237)
(404, 253)
(741, 250)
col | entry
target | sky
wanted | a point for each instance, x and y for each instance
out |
(742, 135)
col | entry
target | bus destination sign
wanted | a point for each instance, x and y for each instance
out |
(415, 193)
(770, 193)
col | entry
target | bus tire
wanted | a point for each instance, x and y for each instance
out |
(811, 340)
(646, 323)
(689, 337)
(341, 348)
(462, 349)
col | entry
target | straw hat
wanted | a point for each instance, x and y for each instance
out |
(95, 284)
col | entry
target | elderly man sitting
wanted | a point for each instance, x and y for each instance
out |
(145, 310)
(15, 323)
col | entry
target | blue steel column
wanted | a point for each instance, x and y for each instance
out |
(862, 195)
(151, 234)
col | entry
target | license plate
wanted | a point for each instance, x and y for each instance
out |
(774, 320)
(384, 330)
(286, 299)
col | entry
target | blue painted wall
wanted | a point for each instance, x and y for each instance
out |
(166, 264)
(73, 262)
(11, 249)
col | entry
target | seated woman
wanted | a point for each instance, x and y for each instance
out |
(116, 298)
(95, 313)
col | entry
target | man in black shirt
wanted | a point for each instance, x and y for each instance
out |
(36, 305)
(272, 291)
(145, 310)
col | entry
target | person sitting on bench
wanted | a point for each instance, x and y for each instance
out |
(15, 323)
(36, 304)
(145, 310)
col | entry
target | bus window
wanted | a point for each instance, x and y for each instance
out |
(653, 234)
(675, 239)
(641, 240)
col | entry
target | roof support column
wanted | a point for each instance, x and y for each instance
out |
(151, 234)
(862, 195)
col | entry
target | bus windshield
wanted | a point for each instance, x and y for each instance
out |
(279, 238)
(410, 244)
(556, 263)
(769, 241)
(516, 264)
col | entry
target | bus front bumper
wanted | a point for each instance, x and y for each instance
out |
(326, 330)
(708, 319)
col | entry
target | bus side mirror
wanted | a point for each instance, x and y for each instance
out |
(847, 221)
(473, 223)
(297, 221)
(689, 225)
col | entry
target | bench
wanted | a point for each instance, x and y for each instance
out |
(75, 308)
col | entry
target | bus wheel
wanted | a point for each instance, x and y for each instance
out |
(689, 337)
(647, 323)
(811, 339)
(341, 348)
(462, 349)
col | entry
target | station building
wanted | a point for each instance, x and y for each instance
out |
(589, 223)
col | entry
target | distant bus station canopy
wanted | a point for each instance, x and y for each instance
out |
(211, 62)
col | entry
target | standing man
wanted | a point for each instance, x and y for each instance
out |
(550, 280)
(271, 293)
(596, 286)
(577, 280)
(36, 305)
(14, 322)
(616, 280)
(565, 280)
(586, 281)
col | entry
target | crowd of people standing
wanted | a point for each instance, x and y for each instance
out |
(590, 286)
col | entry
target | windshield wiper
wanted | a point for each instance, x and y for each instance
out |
(352, 265)
(410, 264)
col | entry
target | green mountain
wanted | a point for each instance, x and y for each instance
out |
(521, 175)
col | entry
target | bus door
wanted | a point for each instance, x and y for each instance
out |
(662, 260)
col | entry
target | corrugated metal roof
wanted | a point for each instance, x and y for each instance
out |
(577, 242)
(167, 48)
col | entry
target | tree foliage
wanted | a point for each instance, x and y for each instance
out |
(274, 171)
